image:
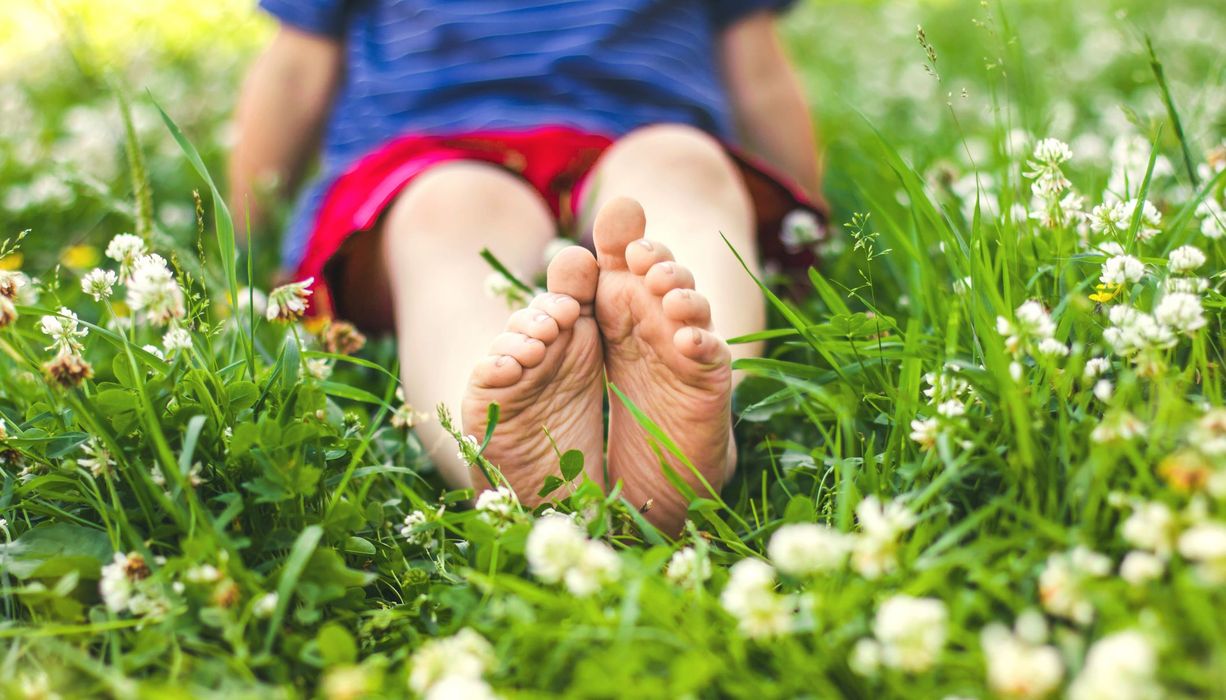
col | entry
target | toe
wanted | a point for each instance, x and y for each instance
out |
(701, 346)
(642, 254)
(688, 307)
(527, 351)
(618, 223)
(534, 323)
(573, 272)
(496, 372)
(562, 308)
(666, 276)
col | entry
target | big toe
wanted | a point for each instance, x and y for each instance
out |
(619, 222)
(573, 272)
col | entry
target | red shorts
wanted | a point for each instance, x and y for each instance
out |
(555, 161)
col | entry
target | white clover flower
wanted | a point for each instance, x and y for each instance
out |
(1151, 527)
(155, 351)
(1118, 426)
(265, 605)
(1186, 285)
(1181, 312)
(1185, 258)
(1110, 249)
(1020, 668)
(465, 654)
(1034, 321)
(460, 688)
(945, 385)
(288, 302)
(596, 567)
(152, 289)
(875, 548)
(321, 368)
(1122, 269)
(1129, 162)
(1132, 331)
(468, 449)
(1151, 218)
(1049, 180)
(554, 546)
(413, 532)
(251, 300)
(1063, 581)
(177, 339)
(1213, 219)
(1015, 371)
(805, 549)
(924, 431)
(1139, 567)
(1118, 667)
(125, 249)
(1205, 544)
(911, 632)
(114, 584)
(64, 332)
(750, 597)
(951, 408)
(1050, 347)
(99, 283)
(204, 573)
(865, 658)
(688, 567)
(498, 507)
(1104, 390)
(1209, 435)
(1096, 366)
(1110, 217)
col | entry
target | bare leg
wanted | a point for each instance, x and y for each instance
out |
(656, 316)
(426, 264)
(691, 193)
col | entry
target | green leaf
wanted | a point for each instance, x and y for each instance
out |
(301, 552)
(55, 550)
(336, 645)
(572, 464)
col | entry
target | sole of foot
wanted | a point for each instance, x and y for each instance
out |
(661, 352)
(545, 371)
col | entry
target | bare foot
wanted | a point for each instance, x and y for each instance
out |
(660, 352)
(545, 373)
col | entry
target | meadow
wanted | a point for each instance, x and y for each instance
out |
(985, 456)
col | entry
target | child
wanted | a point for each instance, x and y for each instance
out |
(449, 126)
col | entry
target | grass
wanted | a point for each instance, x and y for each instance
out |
(260, 479)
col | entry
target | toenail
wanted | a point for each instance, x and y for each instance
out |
(501, 361)
(645, 243)
(670, 268)
(540, 317)
(697, 335)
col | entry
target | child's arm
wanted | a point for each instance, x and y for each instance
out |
(281, 111)
(769, 106)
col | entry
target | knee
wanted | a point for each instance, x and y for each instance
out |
(462, 198)
(689, 156)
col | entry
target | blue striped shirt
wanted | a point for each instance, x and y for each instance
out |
(451, 66)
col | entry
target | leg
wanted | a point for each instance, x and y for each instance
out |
(691, 193)
(425, 262)
(657, 316)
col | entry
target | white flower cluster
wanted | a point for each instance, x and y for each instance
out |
(288, 302)
(875, 549)
(1063, 583)
(1118, 667)
(689, 567)
(908, 635)
(153, 290)
(1133, 331)
(947, 393)
(414, 532)
(558, 551)
(65, 332)
(499, 507)
(750, 596)
(124, 586)
(1020, 665)
(450, 668)
(1032, 330)
(804, 549)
